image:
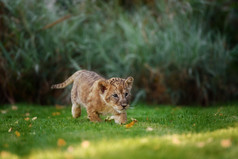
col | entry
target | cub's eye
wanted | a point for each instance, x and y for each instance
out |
(115, 95)
(126, 94)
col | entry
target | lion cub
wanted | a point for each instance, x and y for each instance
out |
(99, 95)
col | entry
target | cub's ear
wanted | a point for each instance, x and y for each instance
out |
(129, 81)
(102, 85)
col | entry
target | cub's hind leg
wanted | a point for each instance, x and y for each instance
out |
(76, 110)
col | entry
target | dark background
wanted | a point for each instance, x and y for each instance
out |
(179, 52)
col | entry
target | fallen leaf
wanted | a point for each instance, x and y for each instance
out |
(218, 111)
(27, 118)
(200, 144)
(176, 141)
(147, 118)
(16, 122)
(225, 143)
(209, 140)
(144, 140)
(61, 142)
(220, 114)
(30, 126)
(130, 124)
(59, 106)
(149, 129)
(70, 149)
(3, 111)
(14, 107)
(85, 144)
(194, 124)
(10, 130)
(34, 118)
(27, 114)
(55, 113)
(5, 154)
(17, 133)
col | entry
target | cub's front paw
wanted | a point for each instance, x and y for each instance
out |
(120, 120)
(95, 119)
(109, 118)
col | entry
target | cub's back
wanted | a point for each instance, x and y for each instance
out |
(83, 83)
(88, 77)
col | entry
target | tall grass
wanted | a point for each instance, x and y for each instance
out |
(170, 54)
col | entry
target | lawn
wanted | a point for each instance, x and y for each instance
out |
(30, 131)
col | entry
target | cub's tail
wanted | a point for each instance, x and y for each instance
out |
(67, 82)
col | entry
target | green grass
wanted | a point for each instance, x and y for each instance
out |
(178, 132)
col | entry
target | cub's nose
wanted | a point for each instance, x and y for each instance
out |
(124, 105)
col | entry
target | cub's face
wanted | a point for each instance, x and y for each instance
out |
(116, 92)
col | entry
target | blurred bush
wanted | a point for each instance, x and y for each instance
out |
(172, 53)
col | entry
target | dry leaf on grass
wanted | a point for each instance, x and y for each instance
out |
(61, 142)
(3, 111)
(27, 119)
(34, 118)
(218, 111)
(85, 144)
(59, 106)
(30, 126)
(5, 154)
(226, 143)
(200, 144)
(55, 113)
(70, 149)
(149, 129)
(10, 129)
(131, 123)
(176, 141)
(209, 140)
(14, 107)
(27, 114)
(17, 133)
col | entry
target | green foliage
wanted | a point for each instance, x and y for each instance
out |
(161, 132)
(172, 56)
(220, 15)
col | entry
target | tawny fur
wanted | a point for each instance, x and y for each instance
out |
(99, 95)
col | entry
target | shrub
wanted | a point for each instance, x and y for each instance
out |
(173, 58)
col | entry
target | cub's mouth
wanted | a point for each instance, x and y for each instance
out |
(120, 109)
(124, 108)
